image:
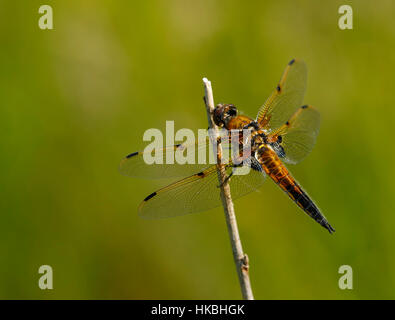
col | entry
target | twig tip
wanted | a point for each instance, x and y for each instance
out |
(206, 81)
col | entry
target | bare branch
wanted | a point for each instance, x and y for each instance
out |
(241, 259)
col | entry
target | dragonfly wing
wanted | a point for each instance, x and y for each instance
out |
(135, 165)
(197, 193)
(298, 135)
(286, 98)
(200, 156)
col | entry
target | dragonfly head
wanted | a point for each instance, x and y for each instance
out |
(223, 113)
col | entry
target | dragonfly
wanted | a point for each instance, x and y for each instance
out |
(283, 132)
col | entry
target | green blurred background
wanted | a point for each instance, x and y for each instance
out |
(76, 99)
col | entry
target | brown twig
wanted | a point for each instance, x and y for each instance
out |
(240, 258)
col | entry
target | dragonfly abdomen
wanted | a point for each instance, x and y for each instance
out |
(281, 176)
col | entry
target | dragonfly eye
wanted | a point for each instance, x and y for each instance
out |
(279, 139)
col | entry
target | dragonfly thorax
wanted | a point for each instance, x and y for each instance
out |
(258, 138)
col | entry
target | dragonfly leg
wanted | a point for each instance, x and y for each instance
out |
(231, 174)
(226, 179)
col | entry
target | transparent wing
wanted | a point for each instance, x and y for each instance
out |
(196, 193)
(135, 165)
(295, 139)
(200, 154)
(286, 98)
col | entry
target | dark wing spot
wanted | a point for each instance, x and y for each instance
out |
(132, 154)
(291, 62)
(150, 196)
(278, 88)
(201, 174)
(279, 139)
(287, 123)
(305, 106)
